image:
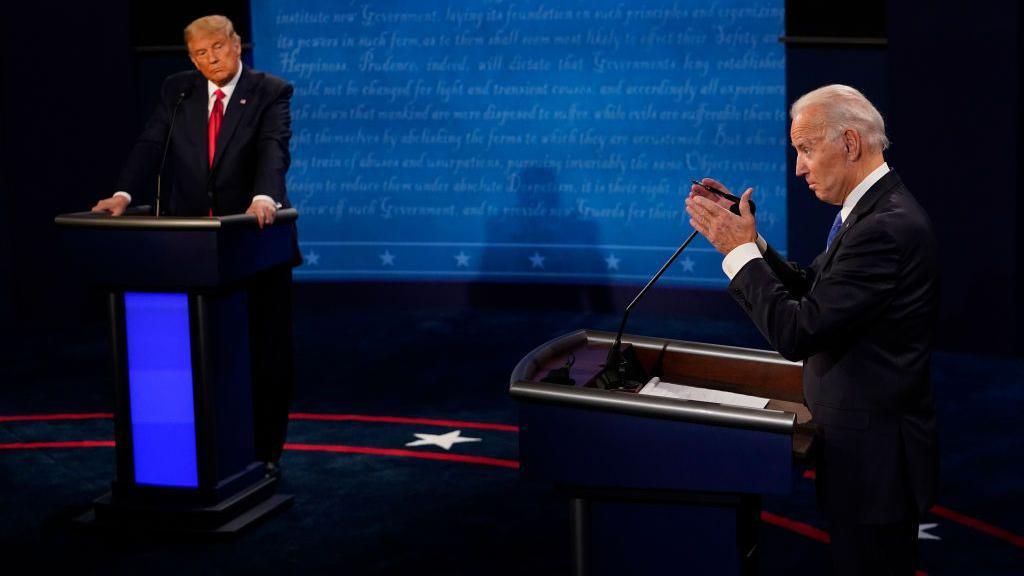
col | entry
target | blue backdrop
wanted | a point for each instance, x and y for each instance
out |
(524, 141)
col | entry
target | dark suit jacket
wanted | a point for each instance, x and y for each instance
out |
(862, 316)
(251, 157)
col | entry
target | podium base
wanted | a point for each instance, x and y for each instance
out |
(226, 517)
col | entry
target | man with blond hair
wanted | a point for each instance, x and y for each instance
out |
(227, 153)
(861, 317)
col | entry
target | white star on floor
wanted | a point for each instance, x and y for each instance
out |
(536, 261)
(387, 258)
(922, 532)
(687, 264)
(312, 259)
(462, 259)
(612, 261)
(443, 440)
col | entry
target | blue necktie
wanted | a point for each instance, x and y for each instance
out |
(836, 225)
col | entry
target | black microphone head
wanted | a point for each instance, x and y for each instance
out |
(185, 93)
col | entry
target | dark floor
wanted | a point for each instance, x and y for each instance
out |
(378, 514)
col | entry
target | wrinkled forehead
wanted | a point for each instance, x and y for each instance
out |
(808, 126)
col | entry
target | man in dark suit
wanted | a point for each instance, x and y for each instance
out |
(228, 154)
(862, 318)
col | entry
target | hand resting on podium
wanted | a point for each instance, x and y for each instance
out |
(115, 205)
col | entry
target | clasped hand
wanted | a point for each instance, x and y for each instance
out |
(710, 215)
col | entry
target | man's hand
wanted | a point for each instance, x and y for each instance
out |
(115, 205)
(264, 211)
(715, 222)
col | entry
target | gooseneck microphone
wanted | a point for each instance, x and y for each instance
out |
(622, 369)
(182, 96)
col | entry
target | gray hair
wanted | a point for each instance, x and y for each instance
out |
(844, 108)
(208, 24)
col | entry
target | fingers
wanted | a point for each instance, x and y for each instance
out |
(745, 203)
(715, 184)
(264, 213)
(112, 205)
(701, 212)
(696, 190)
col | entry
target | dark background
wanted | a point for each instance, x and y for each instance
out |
(80, 79)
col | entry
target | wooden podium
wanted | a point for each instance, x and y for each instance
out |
(661, 485)
(182, 374)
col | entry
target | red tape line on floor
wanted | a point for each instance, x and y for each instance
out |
(46, 417)
(402, 420)
(51, 445)
(342, 449)
(294, 416)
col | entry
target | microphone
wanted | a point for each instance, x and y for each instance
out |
(622, 369)
(182, 96)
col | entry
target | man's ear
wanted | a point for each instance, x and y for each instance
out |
(851, 141)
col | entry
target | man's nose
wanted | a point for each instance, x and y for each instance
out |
(801, 168)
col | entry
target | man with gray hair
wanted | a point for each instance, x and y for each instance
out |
(861, 317)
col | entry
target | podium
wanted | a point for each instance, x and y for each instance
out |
(179, 320)
(660, 485)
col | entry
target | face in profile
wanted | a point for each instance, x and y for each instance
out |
(216, 55)
(820, 160)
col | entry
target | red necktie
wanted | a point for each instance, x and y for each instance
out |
(216, 117)
(213, 128)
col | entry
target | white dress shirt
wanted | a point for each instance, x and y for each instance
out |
(738, 257)
(228, 89)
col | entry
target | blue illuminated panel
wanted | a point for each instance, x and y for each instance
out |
(160, 389)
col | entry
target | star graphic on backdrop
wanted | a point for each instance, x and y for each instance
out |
(536, 261)
(612, 261)
(922, 532)
(387, 258)
(443, 440)
(312, 259)
(687, 264)
(461, 260)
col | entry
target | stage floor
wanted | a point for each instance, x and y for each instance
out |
(402, 457)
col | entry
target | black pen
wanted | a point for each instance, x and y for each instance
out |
(735, 208)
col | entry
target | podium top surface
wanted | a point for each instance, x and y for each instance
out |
(141, 252)
(149, 222)
(743, 370)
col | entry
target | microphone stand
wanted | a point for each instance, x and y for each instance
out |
(167, 145)
(622, 369)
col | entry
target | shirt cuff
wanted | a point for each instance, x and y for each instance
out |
(125, 194)
(265, 198)
(736, 259)
(762, 244)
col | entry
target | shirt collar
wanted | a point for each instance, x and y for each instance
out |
(227, 89)
(858, 192)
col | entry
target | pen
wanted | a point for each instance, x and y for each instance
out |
(735, 208)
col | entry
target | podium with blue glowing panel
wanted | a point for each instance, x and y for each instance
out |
(661, 485)
(182, 370)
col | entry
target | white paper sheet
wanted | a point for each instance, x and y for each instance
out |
(658, 388)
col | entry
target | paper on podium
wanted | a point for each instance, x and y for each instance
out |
(658, 388)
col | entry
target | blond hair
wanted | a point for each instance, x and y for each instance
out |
(209, 24)
(843, 108)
